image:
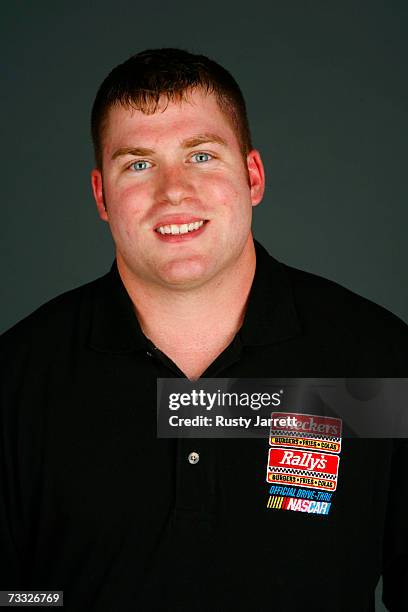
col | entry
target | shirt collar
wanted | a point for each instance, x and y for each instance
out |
(114, 325)
(270, 317)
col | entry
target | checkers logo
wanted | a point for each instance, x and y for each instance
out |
(309, 427)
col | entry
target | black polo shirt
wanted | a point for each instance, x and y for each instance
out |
(92, 503)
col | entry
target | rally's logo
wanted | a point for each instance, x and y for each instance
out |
(303, 468)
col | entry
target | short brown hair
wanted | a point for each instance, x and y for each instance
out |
(142, 79)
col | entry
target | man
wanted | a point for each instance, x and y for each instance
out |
(157, 175)
(92, 503)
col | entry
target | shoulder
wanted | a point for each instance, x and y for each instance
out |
(319, 301)
(336, 317)
(52, 321)
(317, 297)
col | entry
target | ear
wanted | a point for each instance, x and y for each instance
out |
(97, 188)
(256, 175)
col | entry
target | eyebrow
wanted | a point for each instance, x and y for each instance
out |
(132, 151)
(189, 143)
(194, 141)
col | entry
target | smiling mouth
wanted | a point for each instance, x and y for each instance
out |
(183, 228)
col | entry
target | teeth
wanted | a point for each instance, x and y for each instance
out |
(184, 228)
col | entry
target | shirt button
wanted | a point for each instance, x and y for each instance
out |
(193, 458)
(148, 354)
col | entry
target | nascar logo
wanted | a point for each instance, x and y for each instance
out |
(298, 505)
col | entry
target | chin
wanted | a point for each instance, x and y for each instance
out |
(185, 273)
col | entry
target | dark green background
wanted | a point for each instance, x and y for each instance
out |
(326, 87)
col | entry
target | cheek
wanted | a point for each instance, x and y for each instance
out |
(122, 217)
(233, 200)
(128, 203)
(127, 195)
(225, 193)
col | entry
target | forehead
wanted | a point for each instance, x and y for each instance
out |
(172, 122)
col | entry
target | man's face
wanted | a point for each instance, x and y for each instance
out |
(177, 191)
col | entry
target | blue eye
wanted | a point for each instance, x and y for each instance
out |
(201, 157)
(140, 165)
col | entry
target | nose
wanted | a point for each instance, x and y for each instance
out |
(174, 185)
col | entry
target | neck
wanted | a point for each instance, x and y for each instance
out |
(202, 319)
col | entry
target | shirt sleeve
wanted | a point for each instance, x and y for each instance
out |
(395, 554)
(395, 549)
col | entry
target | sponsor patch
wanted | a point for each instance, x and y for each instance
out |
(303, 463)
(308, 431)
(317, 470)
(298, 505)
(312, 443)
